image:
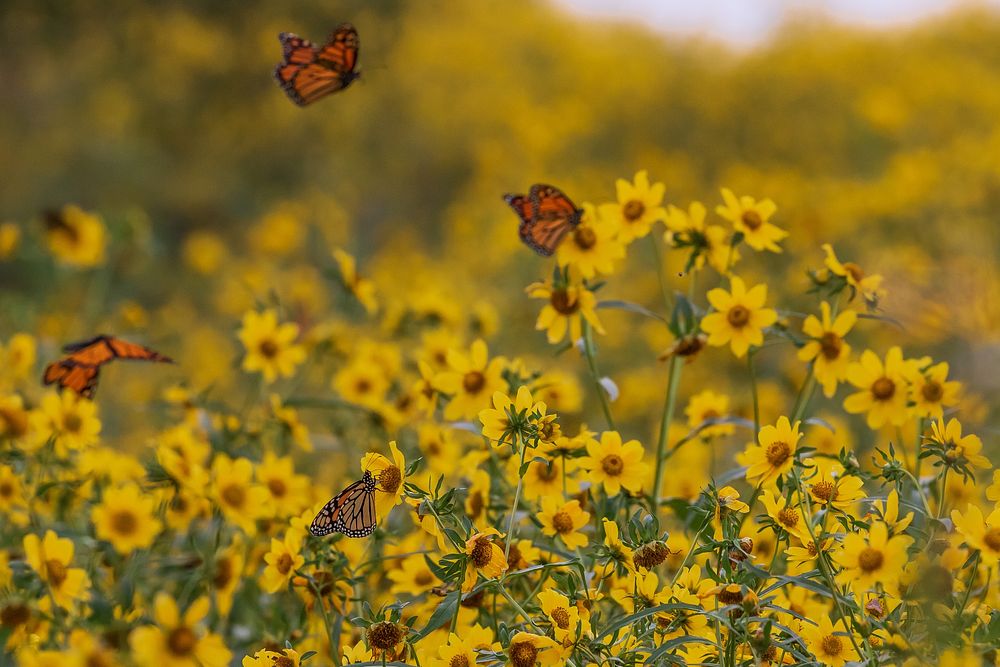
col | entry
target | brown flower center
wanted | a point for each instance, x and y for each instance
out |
(830, 345)
(482, 553)
(283, 661)
(523, 654)
(633, 210)
(832, 645)
(546, 472)
(72, 423)
(284, 564)
(277, 487)
(234, 495)
(788, 518)
(384, 636)
(991, 538)
(182, 641)
(223, 573)
(562, 522)
(268, 348)
(777, 453)
(932, 391)
(390, 479)
(825, 491)
(731, 594)
(855, 271)
(738, 316)
(585, 238)
(363, 385)
(14, 615)
(459, 661)
(870, 559)
(883, 389)
(55, 572)
(423, 579)
(650, 555)
(476, 504)
(473, 382)
(561, 617)
(124, 523)
(751, 220)
(612, 464)
(563, 302)
(15, 422)
(6, 489)
(514, 555)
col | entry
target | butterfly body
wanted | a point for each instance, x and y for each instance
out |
(310, 72)
(351, 512)
(79, 370)
(546, 214)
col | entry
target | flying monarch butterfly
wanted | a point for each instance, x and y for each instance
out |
(310, 72)
(80, 369)
(547, 215)
(351, 512)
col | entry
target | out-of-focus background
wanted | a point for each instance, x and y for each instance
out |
(873, 126)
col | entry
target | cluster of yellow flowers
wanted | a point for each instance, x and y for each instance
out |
(508, 532)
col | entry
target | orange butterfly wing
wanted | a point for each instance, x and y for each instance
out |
(69, 375)
(310, 72)
(547, 215)
(79, 370)
(351, 512)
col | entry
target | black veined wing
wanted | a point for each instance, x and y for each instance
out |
(547, 215)
(310, 72)
(351, 512)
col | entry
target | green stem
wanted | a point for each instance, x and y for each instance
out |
(753, 392)
(658, 259)
(662, 454)
(517, 607)
(805, 395)
(588, 350)
(517, 497)
(694, 544)
(921, 425)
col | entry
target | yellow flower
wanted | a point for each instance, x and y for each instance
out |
(31, 657)
(14, 418)
(612, 540)
(264, 658)
(75, 237)
(711, 243)
(12, 499)
(875, 559)
(357, 653)
(71, 419)
(91, 650)
(750, 217)
(126, 519)
(477, 499)
(227, 575)
(471, 379)
(389, 475)
(413, 577)
(10, 237)
(840, 491)
(567, 305)
(242, 502)
(883, 388)
(289, 492)
(830, 643)
(564, 520)
(50, 558)
(204, 252)
(18, 357)
(485, 557)
(980, 533)
(270, 347)
(614, 465)
(176, 641)
(740, 316)
(640, 204)
(362, 288)
(870, 287)
(774, 453)
(545, 478)
(282, 560)
(456, 653)
(568, 624)
(508, 421)
(889, 513)
(931, 391)
(678, 622)
(529, 650)
(592, 247)
(826, 347)
(288, 418)
(362, 383)
(706, 405)
(279, 232)
(958, 449)
(785, 514)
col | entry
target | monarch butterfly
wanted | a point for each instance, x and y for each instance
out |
(547, 215)
(79, 370)
(310, 72)
(351, 512)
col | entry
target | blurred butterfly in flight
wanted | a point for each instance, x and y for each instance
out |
(79, 370)
(351, 512)
(309, 72)
(547, 215)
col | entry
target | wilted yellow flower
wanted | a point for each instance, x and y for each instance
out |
(750, 217)
(740, 317)
(177, 641)
(126, 519)
(270, 346)
(75, 237)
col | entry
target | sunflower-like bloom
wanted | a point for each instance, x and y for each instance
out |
(270, 347)
(750, 217)
(774, 453)
(639, 205)
(826, 348)
(740, 317)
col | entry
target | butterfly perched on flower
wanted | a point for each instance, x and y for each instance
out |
(310, 72)
(351, 512)
(79, 370)
(547, 215)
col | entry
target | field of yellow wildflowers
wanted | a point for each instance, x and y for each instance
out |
(745, 415)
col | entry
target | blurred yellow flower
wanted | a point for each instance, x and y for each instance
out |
(280, 232)
(289, 491)
(71, 419)
(707, 405)
(10, 238)
(931, 391)
(829, 642)
(979, 533)
(740, 317)
(18, 357)
(750, 217)
(270, 346)
(774, 452)
(362, 288)
(175, 640)
(50, 558)
(883, 392)
(13, 417)
(228, 575)
(564, 520)
(470, 381)
(640, 204)
(870, 287)
(204, 251)
(567, 304)
(126, 519)
(826, 348)
(282, 560)
(614, 466)
(75, 237)
(242, 502)
(958, 449)
(592, 247)
(413, 577)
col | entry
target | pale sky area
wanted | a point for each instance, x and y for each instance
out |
(748, 22)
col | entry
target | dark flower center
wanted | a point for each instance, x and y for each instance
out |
(459, 661)
(832, 645)
(563, 302)
(482, 553)
(390, 479)
(284, 564)
(633, 210)
(182, 641)
(992, 539)
(124, 523)
(870, 559)
(55, 572)
(562, 522)
(932, 391)
(777, 453)
(751, 220)
(473, 382)
(277, 487)
(384, 636)
(825, 491)
(14, 615)
(738, 316)
(612, 464)
(523, 654)
(6, 489)
(72, 423)
(883, 389)
(268, 348)
(234, 495)
(831, 344)
(855, 271)
(561, 617)
(788, 518)
(585, 238)
(223, 573)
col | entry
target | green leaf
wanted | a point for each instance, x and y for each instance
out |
(630, 307)
(441, 615)
(661, 652)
